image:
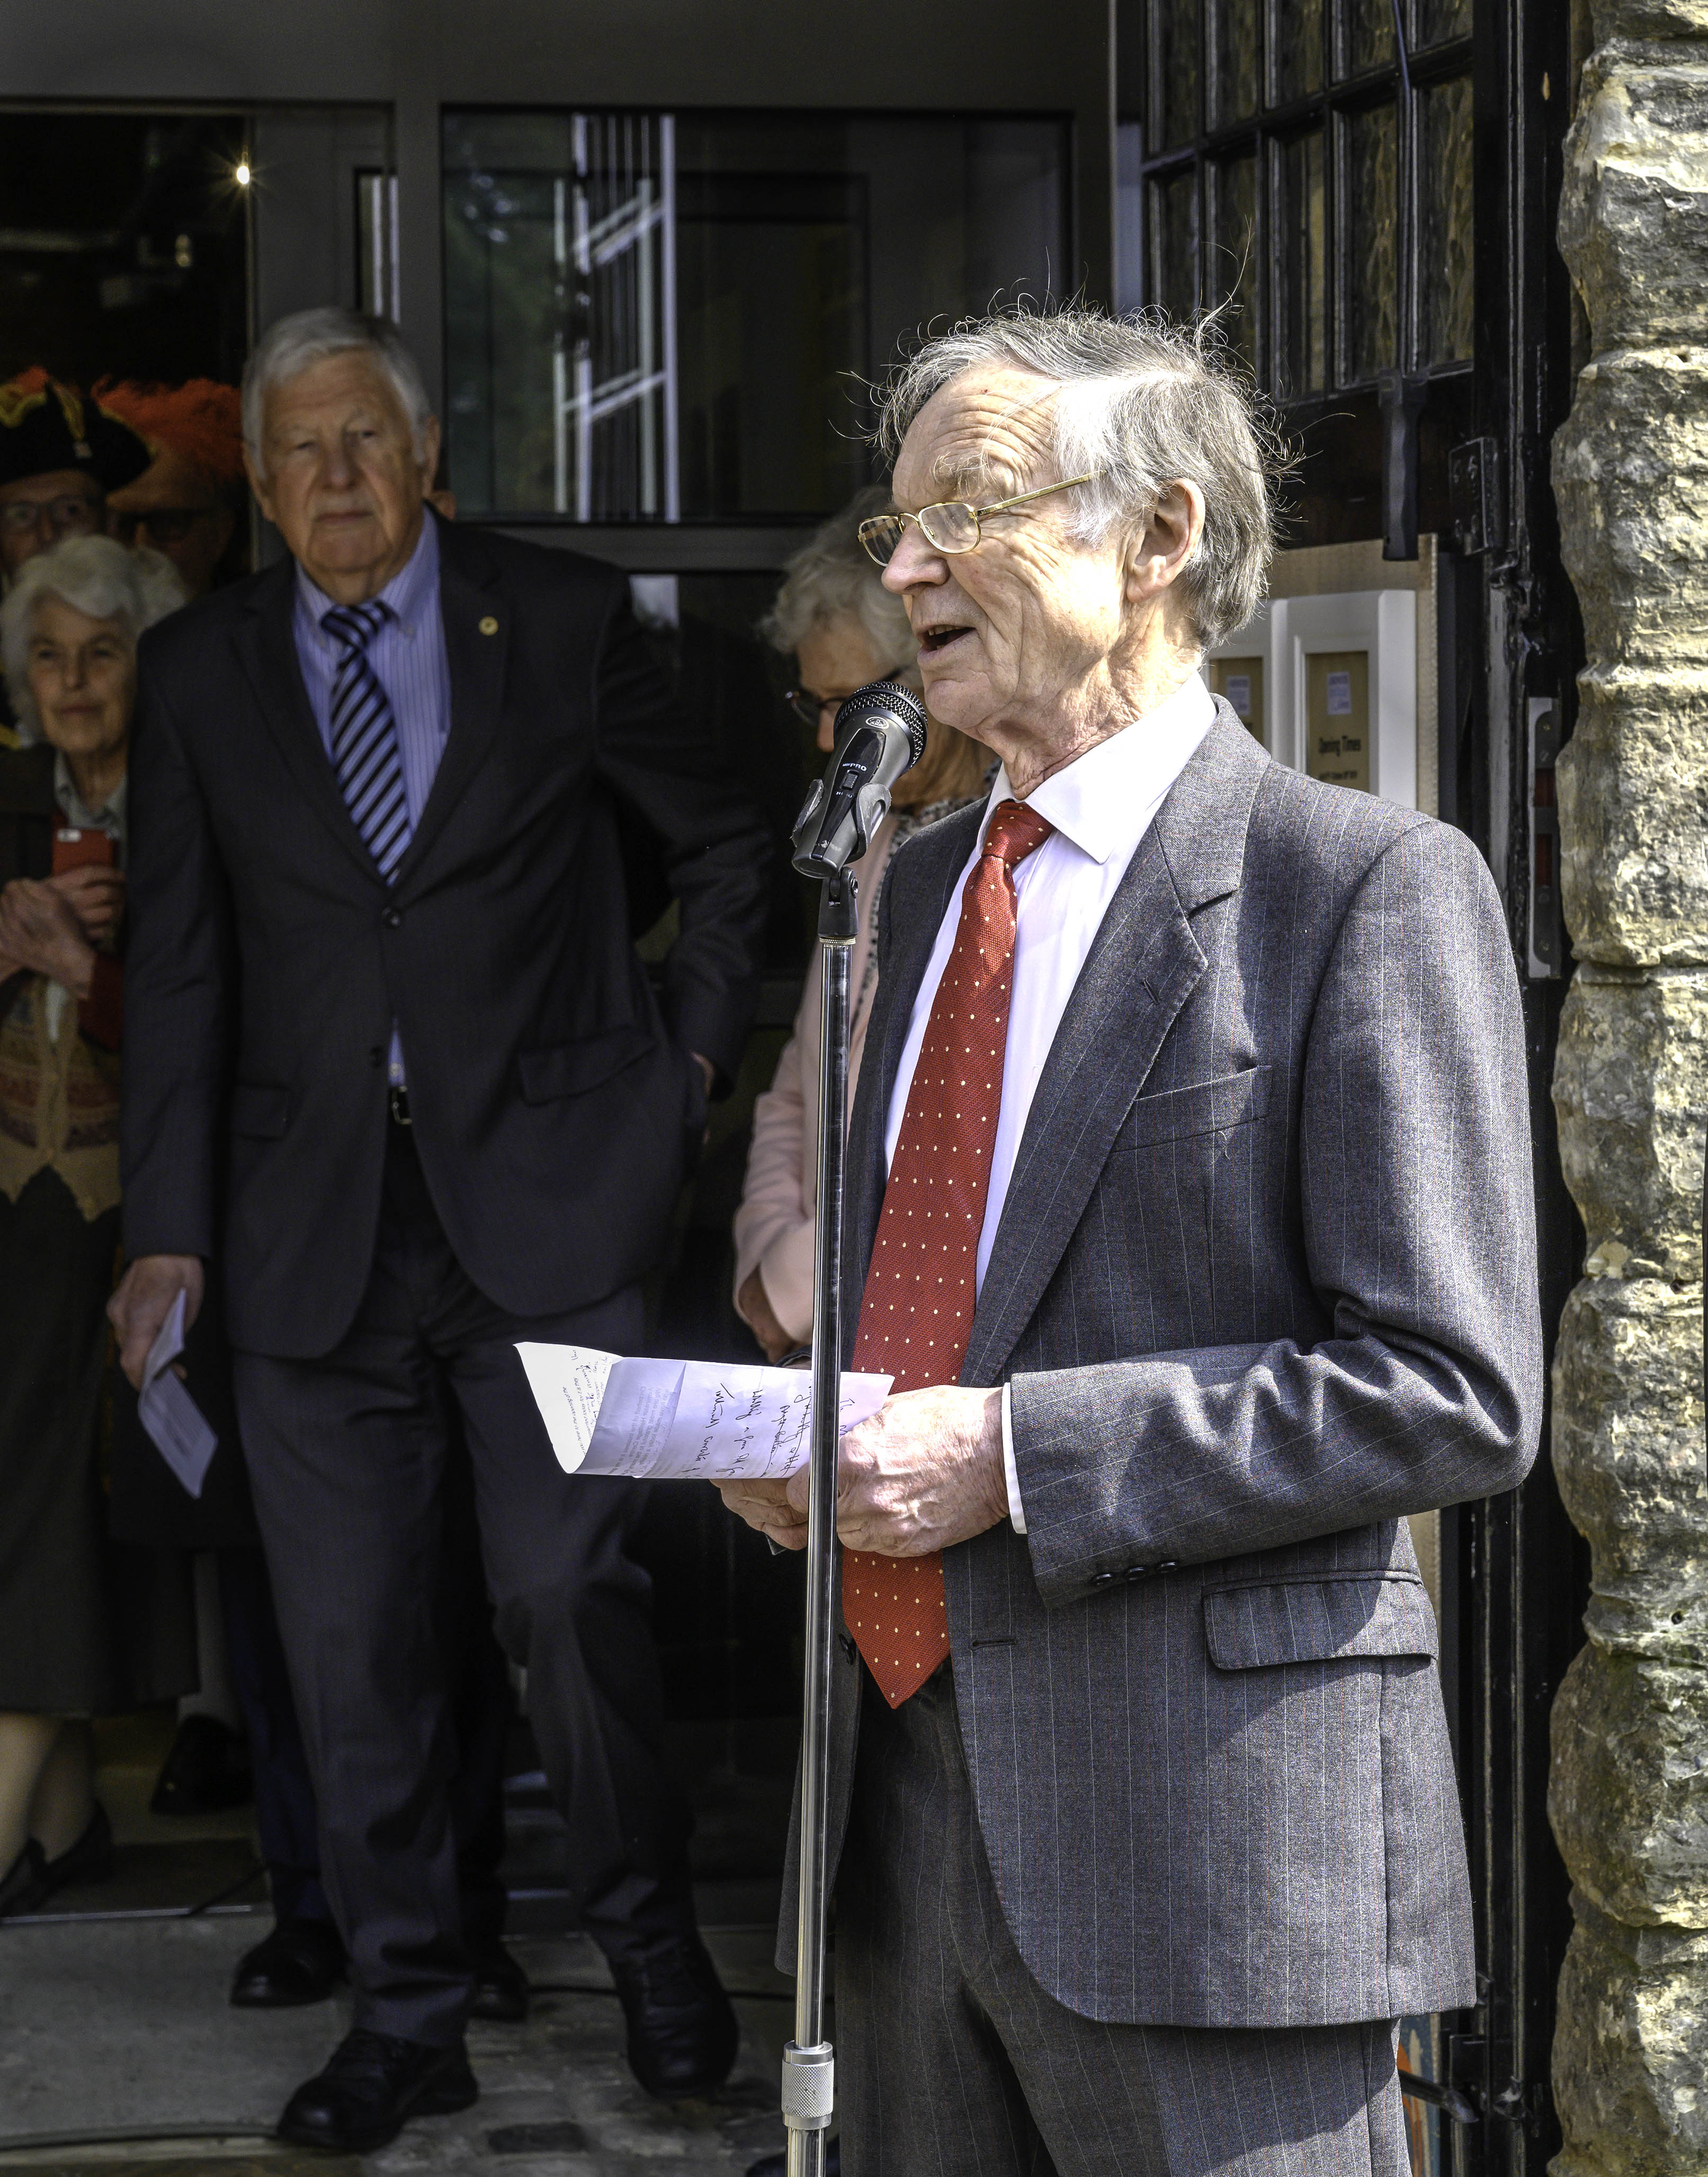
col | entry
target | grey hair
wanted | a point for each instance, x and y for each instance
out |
(831, 574)
(93, 575)
(1140, 403)
(290, 345)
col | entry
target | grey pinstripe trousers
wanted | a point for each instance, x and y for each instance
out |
(952, 2061)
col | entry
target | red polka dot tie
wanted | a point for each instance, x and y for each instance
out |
(916, 1314)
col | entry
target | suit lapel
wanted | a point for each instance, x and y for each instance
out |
(267, 650)
(1143, 967)
(472, 604)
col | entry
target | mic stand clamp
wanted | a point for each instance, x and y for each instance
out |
(809, 2061)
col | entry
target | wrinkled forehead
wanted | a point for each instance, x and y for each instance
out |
(985, 433)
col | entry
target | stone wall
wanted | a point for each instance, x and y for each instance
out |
(1629, 1794)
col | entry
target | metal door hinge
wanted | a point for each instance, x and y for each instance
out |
(1473, 492)
(1548, 941)
(1517, 2103)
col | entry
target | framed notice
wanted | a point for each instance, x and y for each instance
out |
(1329, 683)
(1337, 716)
(1240, 681)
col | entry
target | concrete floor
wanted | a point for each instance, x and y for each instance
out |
(116, 2044)
(121, 2057)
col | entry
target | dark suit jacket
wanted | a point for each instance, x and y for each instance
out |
(555, 1109)
(1264, 1283)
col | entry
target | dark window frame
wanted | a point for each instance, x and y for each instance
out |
(1330, 108)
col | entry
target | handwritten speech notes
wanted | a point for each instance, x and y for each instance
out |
(681, 1421)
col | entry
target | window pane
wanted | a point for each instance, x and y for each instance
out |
(655, 317)
(1300, 363)
(1175, 234)
(1445, 272)
(1177, 101)
(1233, 274)
(1234, 67)
(1442, 19)
(1369, 34)
(1298, 48)
(1371, 303)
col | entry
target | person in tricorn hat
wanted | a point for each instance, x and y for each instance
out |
(61, 453)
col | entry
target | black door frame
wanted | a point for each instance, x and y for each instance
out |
(1520, 1569)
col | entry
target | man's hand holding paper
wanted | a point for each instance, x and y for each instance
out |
(922, 1472)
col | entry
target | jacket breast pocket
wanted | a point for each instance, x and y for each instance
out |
(259, 1111)
(1202, 1107)
(1260, 1623)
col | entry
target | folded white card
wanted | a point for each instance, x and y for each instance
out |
(681, 1421)
(170, 1416)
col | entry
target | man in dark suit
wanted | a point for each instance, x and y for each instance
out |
(1190, 1203)
(393, 1062)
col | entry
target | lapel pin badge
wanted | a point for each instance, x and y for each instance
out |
(488, 625)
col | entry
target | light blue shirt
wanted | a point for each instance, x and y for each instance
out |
(409, 660)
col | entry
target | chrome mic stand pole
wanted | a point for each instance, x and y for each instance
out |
(809, 2062)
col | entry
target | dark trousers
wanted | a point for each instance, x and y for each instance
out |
(348, 1458)
(286, 1817)
(953, 2061)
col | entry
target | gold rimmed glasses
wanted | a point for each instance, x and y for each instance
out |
(950, 526)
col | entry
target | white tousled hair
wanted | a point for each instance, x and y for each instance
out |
(290, 345)
(833, 574)
(94, 575)
(1139, 403)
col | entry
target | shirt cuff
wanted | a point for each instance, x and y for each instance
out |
(1011, 1473)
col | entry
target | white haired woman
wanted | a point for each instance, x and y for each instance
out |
(844, 630)
(74, 1623)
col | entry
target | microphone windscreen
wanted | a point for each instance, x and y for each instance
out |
(889, 698)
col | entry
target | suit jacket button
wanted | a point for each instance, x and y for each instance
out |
(1167, 1564)
(392, 918)
(1102, 1579)
(1139, 1572)
(845, 1641)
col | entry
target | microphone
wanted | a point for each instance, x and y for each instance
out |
(879, 731)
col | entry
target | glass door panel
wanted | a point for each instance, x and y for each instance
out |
(656, 318)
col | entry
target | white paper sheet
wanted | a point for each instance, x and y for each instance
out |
(665, 1420)
(170, 1416)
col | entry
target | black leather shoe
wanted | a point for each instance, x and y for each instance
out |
(501, 1987)
(206, 1772)
(23, 1888)
(777, 2165)
(682, 2031)
(371, 2087)
(301, 1961)
(88, 1860)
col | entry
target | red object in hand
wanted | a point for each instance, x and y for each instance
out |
(100, 1015)
(73, 849)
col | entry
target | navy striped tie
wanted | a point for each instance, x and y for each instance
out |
(364, 739)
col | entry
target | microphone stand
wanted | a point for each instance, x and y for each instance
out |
(809, 2061)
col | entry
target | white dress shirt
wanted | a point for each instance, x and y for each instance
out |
(1100, 806)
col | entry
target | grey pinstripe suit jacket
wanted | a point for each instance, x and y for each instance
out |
(1264, 1283)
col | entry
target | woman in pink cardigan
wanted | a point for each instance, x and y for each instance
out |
(845, 629)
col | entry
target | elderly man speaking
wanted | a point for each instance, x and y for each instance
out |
(1190, 1193)
(393, 1061)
